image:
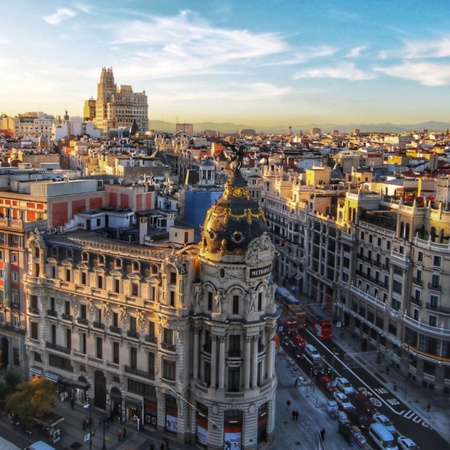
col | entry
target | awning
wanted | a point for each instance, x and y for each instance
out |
(81, 385)
(52, 377)
(133, 402)
(35, 371)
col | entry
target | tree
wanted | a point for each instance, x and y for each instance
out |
(8, 384)
(33, 399)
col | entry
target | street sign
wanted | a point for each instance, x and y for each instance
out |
(87, 437)
(56, 435)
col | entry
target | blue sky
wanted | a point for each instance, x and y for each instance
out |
(255, 62)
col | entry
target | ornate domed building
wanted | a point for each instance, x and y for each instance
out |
(234, 321)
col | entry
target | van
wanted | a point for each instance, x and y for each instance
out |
(381, 437)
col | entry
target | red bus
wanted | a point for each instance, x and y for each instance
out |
(290, 326)
(321, 327)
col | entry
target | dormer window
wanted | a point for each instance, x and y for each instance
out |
(136, 266)
(85, 257)
(101, 260)
(118, 263)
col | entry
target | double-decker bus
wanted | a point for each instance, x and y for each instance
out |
(299, 314)
(319, 325)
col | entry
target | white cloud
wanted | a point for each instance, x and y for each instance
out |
(347, 71)
(428, 49)
(60, 15)
(304, 55)
(427, 74)
(84, 8)
(169, 46)
(4, 40)
(355, 52)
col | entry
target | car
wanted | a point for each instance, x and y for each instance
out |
(343, 401)
(311, 350)
(327, 384)
(363, 402)
(361, 420)
(299, 341)
(386, 422)
(344, 386)
(405, 443)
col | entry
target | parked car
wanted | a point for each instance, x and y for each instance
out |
(327, 384)
(342, 400)
(386, 422)
(405, 443)
(311, 350)
(344, 386)
(363, 402)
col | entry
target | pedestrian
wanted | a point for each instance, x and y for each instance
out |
(288, 403)
(296, 382)
(293, 414)
(322, 434)
(387, 370)
(72, 402)
(296, 415)
(124, 432)
(428, 407)
(162, 446)
(152, 446)
(84, 424)
(119, 435)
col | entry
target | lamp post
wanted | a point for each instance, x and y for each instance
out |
(104, 425)
(332, 365)
(88, 406)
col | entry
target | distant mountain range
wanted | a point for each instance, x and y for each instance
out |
(226, 127)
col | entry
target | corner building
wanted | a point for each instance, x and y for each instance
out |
(176, 337)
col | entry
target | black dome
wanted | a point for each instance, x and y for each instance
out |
(233, 222)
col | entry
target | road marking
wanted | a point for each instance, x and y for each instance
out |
(381, 391)
(393, 401)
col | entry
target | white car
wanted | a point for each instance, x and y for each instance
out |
(342, 400)
(381, 418)
(405, 443)
(344, 386)
(311, 350)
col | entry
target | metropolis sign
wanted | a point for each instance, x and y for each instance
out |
(260, 271)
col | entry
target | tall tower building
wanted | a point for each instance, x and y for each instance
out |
(234, 321)
(119, 107)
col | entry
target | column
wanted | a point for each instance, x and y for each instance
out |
(213, 362)
(196, 354)
(247, 362)
(270, 359)
(255, 362)
(221, 362)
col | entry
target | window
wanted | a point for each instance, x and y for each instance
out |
(134, 289)
(397, 286)
(435, 281)
(15, 277)
(432, 321)
(16, 321)
(115, 350)
(100, 282)
(151, 328)
(133, 325)
(115, 320)
(1, 255)
(173, 277)
(169, 369)
(67, 307)
(434, 301)
(234, 342)
(233, 379)
(83, 278)
(68, 339)
(116, 285)
(14, 258)
(133, 357)
(235, 304)
(259, 301)
(2, 317)
(210, 301)
(68, 275)
(34, 330)
(388, 245)
(420, 256)
(99, 348)
(151, 363)
(437, 261)
(83, 343)
(168, 336)
(172, 298)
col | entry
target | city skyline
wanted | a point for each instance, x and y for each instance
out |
(284, 62)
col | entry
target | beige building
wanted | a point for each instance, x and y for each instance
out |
(178, 335)
(119, 107)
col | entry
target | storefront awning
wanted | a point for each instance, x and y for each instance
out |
(81, 385)
(35, 371)
(52, 377)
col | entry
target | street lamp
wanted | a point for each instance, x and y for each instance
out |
(88, 406)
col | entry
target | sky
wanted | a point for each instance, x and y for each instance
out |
(255, 62)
